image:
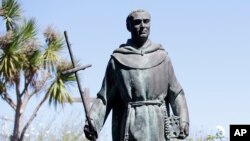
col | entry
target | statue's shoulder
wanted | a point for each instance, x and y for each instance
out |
(122, 45)
(144, 58)
(161, 52)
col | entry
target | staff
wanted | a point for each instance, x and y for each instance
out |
(74, 70)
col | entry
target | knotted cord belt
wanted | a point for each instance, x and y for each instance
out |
(141, 103)
(138, 104)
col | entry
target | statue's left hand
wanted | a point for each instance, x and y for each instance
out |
(184, 132)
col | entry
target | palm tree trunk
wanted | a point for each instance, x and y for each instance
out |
(18, 115)
(18, 112)
(34, 114)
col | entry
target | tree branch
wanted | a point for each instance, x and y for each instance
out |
(8, 99)
(18, 94)
(28, 79)
(37, 89)
(25, 101)
(2, 12)
(34, 114)
(39, 85)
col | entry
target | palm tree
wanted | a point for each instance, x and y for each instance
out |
(30, 68)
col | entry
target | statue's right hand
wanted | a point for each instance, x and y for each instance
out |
(184, 131)
(88, 133)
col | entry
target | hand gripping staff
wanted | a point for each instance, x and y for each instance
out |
(75, 70)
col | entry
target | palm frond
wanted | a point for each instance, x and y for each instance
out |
(67, 78)
(13, 41)
(2, 87)
(58, 93)
(55, 45)
(35, 58)
(12, 12)
(12, 57)
(10, 65)
(26, 31)
(59, 89)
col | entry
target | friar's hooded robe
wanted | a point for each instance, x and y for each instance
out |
(136, 86)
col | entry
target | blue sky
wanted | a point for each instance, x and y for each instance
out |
(208, 42)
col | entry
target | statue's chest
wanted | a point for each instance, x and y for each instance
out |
(146, 84)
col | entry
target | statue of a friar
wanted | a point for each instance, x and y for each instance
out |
(139, 85)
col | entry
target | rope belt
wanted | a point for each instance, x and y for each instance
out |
(141, 103)
(138, 104)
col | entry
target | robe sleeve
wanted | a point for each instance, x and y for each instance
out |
(105, 98)
(174, 87)
(177, 98)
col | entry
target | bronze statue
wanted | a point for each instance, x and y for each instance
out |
(139, 85)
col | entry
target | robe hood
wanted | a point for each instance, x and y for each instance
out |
(148, 56)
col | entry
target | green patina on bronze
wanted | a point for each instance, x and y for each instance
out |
(138, 86)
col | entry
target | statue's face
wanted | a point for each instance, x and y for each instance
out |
(140, 25)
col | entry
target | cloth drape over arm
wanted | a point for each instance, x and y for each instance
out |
(176, 96)
(105, 98)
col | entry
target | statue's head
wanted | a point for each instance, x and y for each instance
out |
(138, 23)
